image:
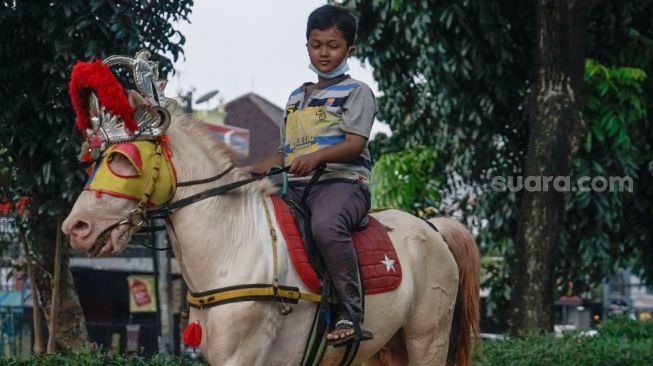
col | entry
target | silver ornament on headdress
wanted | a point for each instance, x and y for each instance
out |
(152, 108)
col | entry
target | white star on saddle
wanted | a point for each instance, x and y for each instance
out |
(389, 264)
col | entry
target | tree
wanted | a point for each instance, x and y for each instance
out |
(555, 131)
(39, 43)
(598, 223)
(463, 76)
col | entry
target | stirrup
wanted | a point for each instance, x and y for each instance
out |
(359, 334)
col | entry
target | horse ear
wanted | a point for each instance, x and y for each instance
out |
(135, 99)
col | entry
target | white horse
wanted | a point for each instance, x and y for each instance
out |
(225, 241)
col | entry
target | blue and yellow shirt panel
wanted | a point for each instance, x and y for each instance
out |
(316, 121)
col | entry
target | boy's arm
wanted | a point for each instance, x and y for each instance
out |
(263, 166)
(345, 151)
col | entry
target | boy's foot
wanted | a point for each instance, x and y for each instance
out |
(344, 329)
(344, 332)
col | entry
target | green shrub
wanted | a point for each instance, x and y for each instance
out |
(622, 327)
(619, 342)
(99, 358)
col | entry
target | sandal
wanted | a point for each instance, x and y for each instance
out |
(348, 320)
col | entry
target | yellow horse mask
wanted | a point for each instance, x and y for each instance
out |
(145, 156)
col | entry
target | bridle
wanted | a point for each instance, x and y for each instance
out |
(164, 210)
(142, 213)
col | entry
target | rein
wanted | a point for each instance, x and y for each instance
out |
(140, 214)
(163, 210)
(207, 180)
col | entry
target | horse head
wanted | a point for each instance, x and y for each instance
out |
(129, 162)
(127, 178)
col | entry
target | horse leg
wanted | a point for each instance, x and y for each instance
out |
(239, 333)
(394, 352)
(427, 331)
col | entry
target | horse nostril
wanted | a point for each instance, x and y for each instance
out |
(80, 228)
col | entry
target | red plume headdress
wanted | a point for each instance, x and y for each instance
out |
(107, 113)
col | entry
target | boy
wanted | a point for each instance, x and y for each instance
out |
(328, 123)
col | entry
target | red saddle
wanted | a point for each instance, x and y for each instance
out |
(377, 257)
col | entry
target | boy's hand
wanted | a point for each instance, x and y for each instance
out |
(304, 165)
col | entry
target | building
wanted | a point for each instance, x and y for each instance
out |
(262, 118)
(15, 291)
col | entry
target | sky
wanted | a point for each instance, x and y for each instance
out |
(246, 46)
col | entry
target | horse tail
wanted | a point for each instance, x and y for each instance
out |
(465, 324)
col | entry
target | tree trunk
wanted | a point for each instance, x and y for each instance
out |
(555, 129)
(70, 333)
(36, 306)
(56, 285)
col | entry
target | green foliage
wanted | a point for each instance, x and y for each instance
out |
(618, 342)
(99, 358)
(629, 329)
(452, 75)
(455, 75)
(39, 44)
(403, 179)
(615, 112)
(614, 104)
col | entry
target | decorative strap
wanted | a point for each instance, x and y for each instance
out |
(253, 292)
(136, 215)
(273, 236)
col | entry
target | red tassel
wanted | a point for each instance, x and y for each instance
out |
(193, 334)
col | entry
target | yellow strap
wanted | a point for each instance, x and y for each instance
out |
(273, 235)
(149, 189)
(235, 294)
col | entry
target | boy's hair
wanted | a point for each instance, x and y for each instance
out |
(328, 16)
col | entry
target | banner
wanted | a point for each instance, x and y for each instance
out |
(142, 293)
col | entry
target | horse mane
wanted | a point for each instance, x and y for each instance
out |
(222, 152)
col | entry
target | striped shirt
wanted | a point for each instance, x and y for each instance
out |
(321, 119)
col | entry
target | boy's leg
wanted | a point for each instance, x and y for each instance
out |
(337, 209)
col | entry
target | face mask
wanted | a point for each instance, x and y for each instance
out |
(341, 69)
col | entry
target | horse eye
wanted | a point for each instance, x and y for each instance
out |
(117, 157)
(122, 167)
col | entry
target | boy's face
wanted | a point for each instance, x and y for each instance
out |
(327, 48)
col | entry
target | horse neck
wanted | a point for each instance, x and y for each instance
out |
(220, 239)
